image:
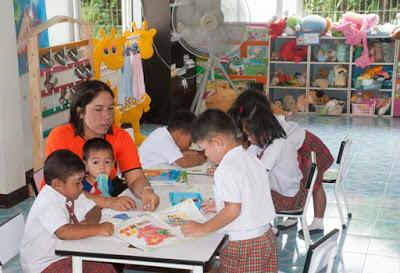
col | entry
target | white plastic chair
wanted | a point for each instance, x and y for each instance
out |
(322, 253)
(302, 213)
(335, 175)
(11, 233)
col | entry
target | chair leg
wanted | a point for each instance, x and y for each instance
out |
(346, 202)
(306, 233)
(339, 206)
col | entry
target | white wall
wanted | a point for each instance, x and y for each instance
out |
(11, 139)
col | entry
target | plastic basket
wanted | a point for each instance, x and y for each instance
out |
(363, 109)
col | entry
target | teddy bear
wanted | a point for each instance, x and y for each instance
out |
(321, 79)
(342, 54)
(301, 103)
(220, 96)
(289, 104)
(275, 56)
(279, 77)
(340, 76)
(317, 97)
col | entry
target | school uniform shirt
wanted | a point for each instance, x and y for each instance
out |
(239, 178)
(94, 188)
(279, 161)
(159, 148)
(295, 134)
(47, 214)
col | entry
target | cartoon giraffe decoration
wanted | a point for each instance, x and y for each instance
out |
(145, 41)
(109, 50)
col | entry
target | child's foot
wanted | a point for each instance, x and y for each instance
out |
(288, 223)
(316, 227)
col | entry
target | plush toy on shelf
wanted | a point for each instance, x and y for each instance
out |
(340, 76)
(275, 26)
(301, 103)
(289, 104)
(326, 53)
(292, 25)
(321, 79)
(334, 107)
(317, 97)
(291, 52)
(342, 54)
(145, 41)
(275, 56)
(316, 24)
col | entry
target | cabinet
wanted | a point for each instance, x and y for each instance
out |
(334, 75)
(168, 93)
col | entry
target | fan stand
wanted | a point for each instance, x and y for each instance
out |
(211, 63)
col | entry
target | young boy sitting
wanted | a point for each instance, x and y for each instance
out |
(98, 156)
(61, 212)
(242, 198)
(168, 145)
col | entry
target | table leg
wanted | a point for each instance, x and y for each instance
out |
(76, 264)
(197, 269)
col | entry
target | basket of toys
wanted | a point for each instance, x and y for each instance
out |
(363, 109)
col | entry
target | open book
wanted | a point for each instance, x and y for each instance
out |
(150, 230)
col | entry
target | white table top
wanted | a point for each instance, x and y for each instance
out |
(194, 251)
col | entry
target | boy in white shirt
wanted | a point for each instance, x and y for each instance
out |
(170, 145)
(61, 212)
(242, 198)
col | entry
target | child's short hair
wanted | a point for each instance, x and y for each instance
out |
(61, 164)
(96, 144)
(181, 120)
(212, 122)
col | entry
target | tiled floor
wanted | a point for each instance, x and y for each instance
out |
(371, 243)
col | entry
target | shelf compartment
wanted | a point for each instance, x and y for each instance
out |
(286, 87)
(330, 63)
(286, 62)
(329, 88)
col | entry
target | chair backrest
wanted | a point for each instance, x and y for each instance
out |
(313, 171)
(344, 157)
(11, 233)
(322, 253)
(36, 180)
(341, 149)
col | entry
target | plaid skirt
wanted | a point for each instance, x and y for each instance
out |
(65, 266)
(324, 161)
(258, 255)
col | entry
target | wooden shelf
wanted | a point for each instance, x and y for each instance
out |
(287, 62)
(380, 90)
(338, 63)
(353, 63)
(258, 79)
(330, 88)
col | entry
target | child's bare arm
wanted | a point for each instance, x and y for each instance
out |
(118, 203)
(192, 152)
(229, 213)
(78, 231)
(93, 216)
(191, 160)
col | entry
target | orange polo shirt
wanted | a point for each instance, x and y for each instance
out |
(125, 151)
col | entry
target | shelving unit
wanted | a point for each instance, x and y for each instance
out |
(311, 66)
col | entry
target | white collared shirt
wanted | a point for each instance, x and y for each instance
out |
(240, 178)
(295, 134)
(46, 216)
(159, 148)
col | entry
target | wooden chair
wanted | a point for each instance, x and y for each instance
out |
(336, 175)
(302, 213)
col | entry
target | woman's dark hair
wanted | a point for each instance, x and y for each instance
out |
(86, 92)
(61, 164)
(211, 122)
(252, 111)
(96, 144)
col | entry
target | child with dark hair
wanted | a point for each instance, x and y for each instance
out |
(171, 144)
(61, 212)
(241, 192)
(288, 184)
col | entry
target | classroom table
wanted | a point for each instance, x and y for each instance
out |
(190, 255)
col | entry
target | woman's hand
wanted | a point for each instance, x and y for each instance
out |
(122, 203)
(150, 199)
(193, 229)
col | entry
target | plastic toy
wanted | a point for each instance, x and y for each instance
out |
(108, 51)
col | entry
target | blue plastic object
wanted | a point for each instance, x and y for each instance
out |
(102, 184)
(177, 197)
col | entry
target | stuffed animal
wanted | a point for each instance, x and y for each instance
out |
(317, 97)
(371, 51)
(342, 54)
(145, 41)
(275, 56)
(322, 53)
(277, 109)
(321, 79)
(355, 28)
(340, 76)
(279, 78)
(292, 25)
(301, 78)
(289, 104)
(388, 52)
(275, 26)
(291, 52)
(334, 107)
(378, 52)
(301, 103)
(221, 97)
(383, 105)
(315, 23)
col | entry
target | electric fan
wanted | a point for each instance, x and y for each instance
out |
(211, 29)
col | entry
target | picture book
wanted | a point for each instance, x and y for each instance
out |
(151, 230)
(172, 176)
(177, 197)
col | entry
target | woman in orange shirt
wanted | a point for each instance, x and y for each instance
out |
(91, 116)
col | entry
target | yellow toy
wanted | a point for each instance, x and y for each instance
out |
(145, 41)
(108, 50)
(132, 113)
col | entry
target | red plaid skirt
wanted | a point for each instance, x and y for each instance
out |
(65, 266)
(254, 255)
(324, 161)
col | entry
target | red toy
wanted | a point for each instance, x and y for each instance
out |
(275, 26)
(291, 52)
